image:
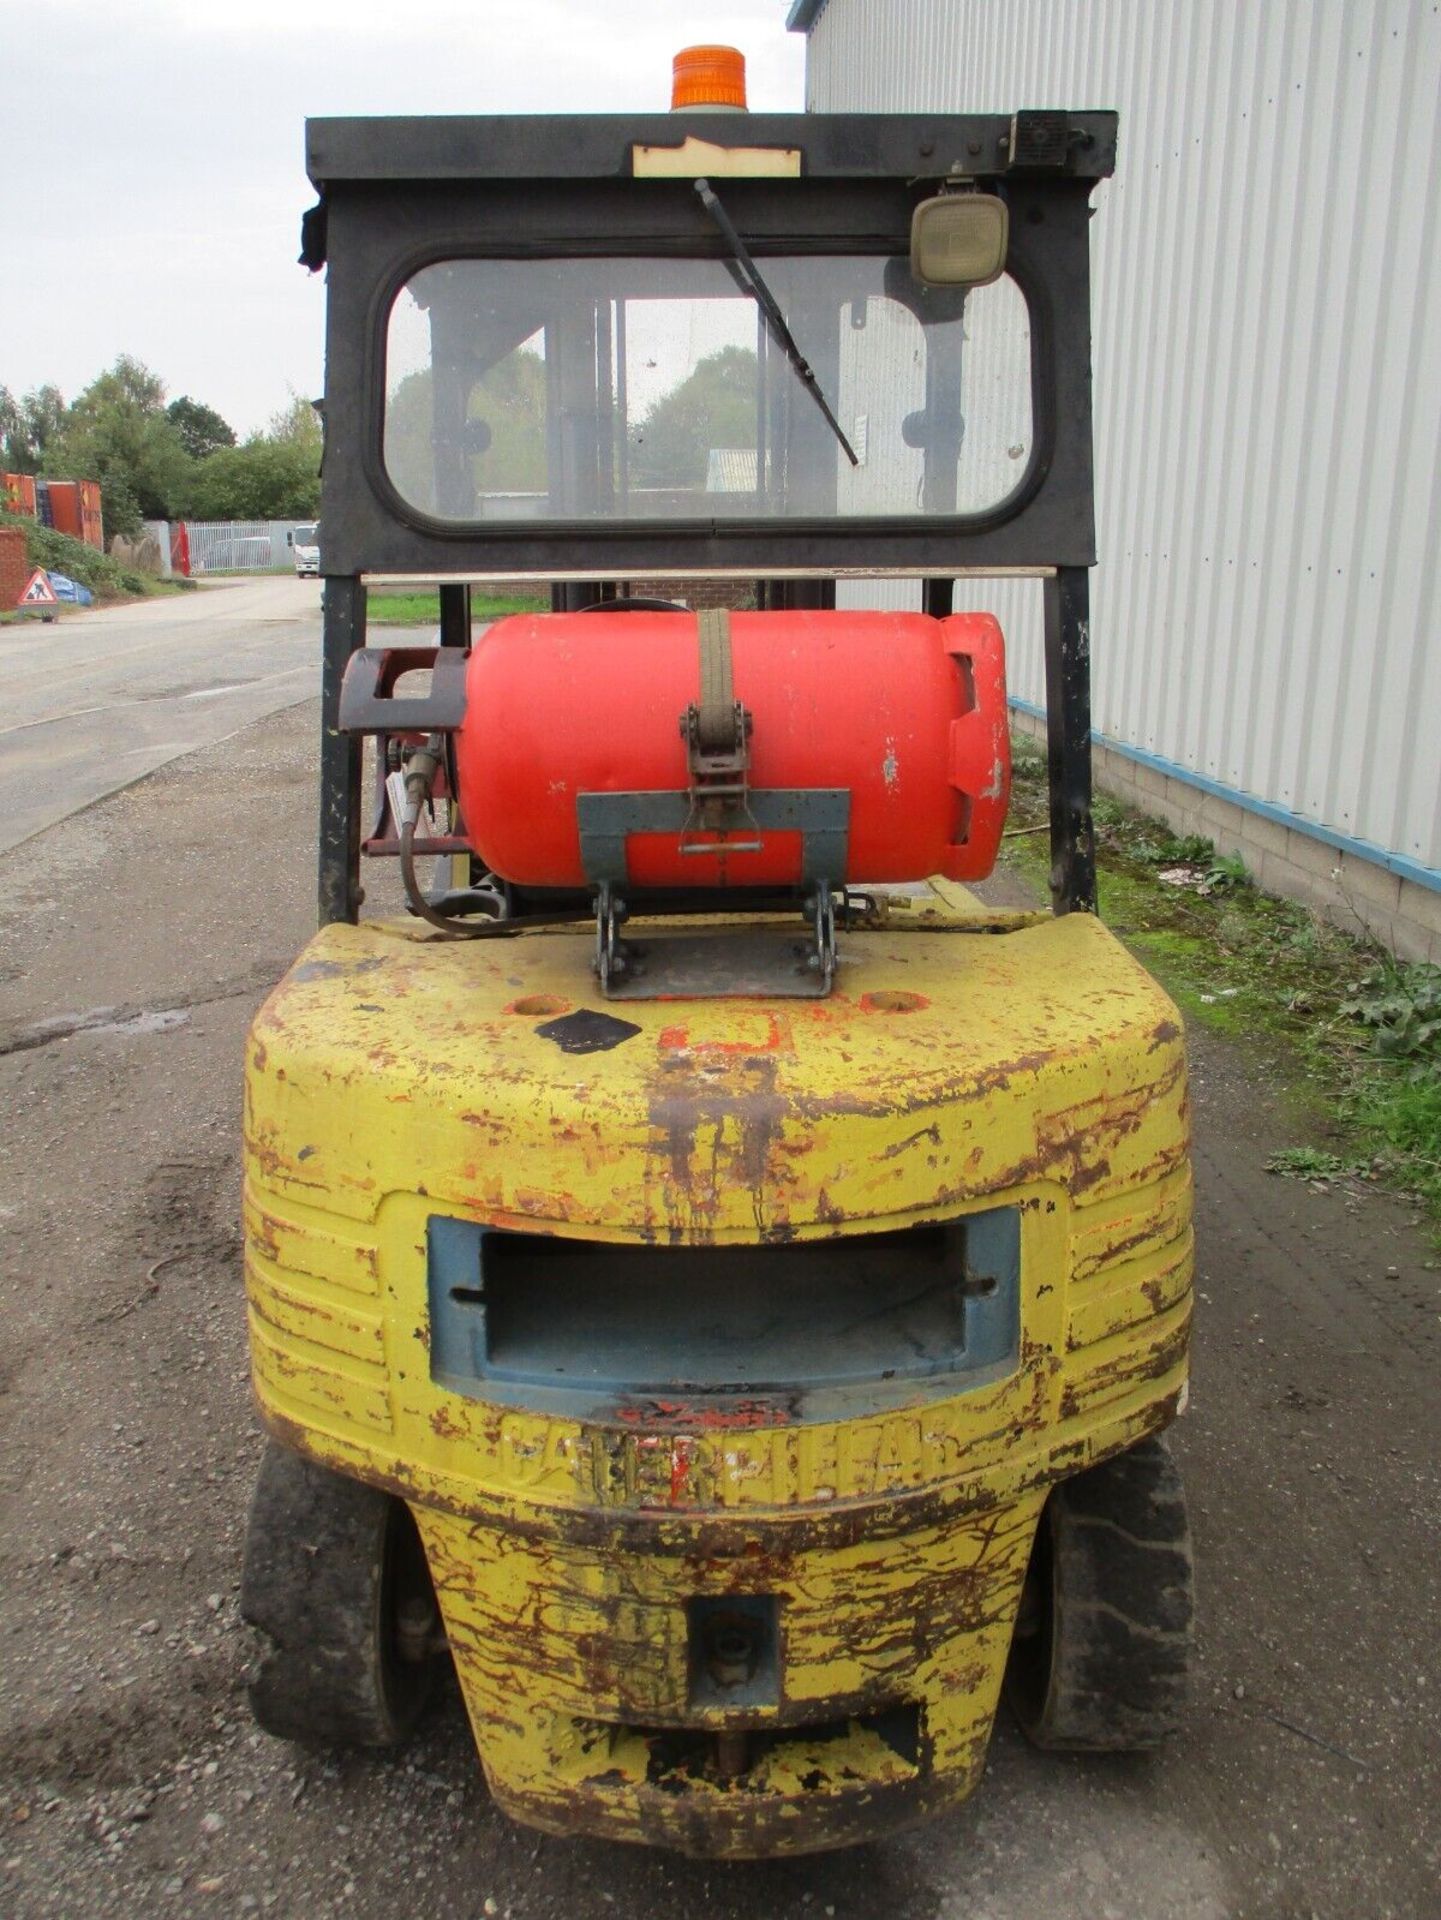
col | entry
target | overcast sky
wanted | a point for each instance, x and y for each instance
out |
(154, 156)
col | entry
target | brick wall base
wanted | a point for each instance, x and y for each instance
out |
(15, 569)
(735, 595)
(1355, 894)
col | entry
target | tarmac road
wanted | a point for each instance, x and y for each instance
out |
(1306, 1781)
(100, 698)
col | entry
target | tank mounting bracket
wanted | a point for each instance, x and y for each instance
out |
(767, 958)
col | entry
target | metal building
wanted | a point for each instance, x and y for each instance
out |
(1267, 317)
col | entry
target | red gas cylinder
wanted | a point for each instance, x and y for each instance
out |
(906, 713)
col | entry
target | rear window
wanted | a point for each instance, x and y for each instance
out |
(652, 389)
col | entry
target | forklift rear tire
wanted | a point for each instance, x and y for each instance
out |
(336, 1586)
(1104, 1636)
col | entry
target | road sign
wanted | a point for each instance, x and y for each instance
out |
(38, 591)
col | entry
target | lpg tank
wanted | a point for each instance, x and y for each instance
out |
(904, 712)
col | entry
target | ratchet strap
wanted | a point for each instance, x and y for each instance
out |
(716, 717)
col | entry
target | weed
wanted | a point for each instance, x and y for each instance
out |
(1307, 1163)
(1028, 762)
(1188, 849)
(1408, 1118)
(1401, 1003)
(1353, 1035)
(1107, 815)
(1156, 844)
(1403, 1120)
(1226, 871)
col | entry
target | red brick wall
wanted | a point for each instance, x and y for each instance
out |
(15, 569)
(734, 594)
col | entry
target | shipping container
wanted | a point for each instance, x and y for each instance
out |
(19, 489)
(75, 509)
(64, 498)
(92, 525)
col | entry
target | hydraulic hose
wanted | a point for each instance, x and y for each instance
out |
(420, 774)
(445, 923)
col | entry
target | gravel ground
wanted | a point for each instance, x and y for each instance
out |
(144, 932)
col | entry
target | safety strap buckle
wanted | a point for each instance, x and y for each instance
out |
(717, 733)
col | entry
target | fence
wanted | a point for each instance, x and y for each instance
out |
(240, 546)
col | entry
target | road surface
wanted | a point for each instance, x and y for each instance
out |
(98, 699)
(1305, 1783)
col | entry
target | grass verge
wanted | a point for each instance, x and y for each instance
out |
(398, 607)
(1353, 1033)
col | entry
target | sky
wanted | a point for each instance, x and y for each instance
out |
(154, 157)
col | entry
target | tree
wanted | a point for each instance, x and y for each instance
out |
(297, 425)
(511, 400)
(506, 412)
(275, 475)
(263, 480)
(117, 433)
(714, 407)
(29, 427)
(406, 449)
(12, 431)
(201, 429)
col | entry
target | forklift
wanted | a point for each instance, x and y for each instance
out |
(712, 1280)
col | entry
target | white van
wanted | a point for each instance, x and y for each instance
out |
(305, 542)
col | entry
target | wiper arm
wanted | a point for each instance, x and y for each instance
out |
(756, 287)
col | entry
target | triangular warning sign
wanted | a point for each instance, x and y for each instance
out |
(38, 591)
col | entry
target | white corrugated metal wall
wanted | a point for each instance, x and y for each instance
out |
(1267, 316)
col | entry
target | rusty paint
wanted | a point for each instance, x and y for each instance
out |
(564, 1550)
(1128, 1368)
(1152, 1231)
(931, 1133)
(720, 1416)
(447, 1423)
(714, 1130)
(926, 1620)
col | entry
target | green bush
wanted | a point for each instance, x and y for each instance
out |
(263, 480)
(106, 578)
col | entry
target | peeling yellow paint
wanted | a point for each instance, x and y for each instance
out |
(950, 1071)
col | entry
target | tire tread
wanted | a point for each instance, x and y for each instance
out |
(313, 1588)
(1121, 1607)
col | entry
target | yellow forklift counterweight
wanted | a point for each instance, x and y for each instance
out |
(585, 1539)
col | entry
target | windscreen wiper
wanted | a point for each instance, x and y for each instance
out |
(750, 276)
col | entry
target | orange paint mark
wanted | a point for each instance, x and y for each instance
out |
(680, 1465)
(778, 1039)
